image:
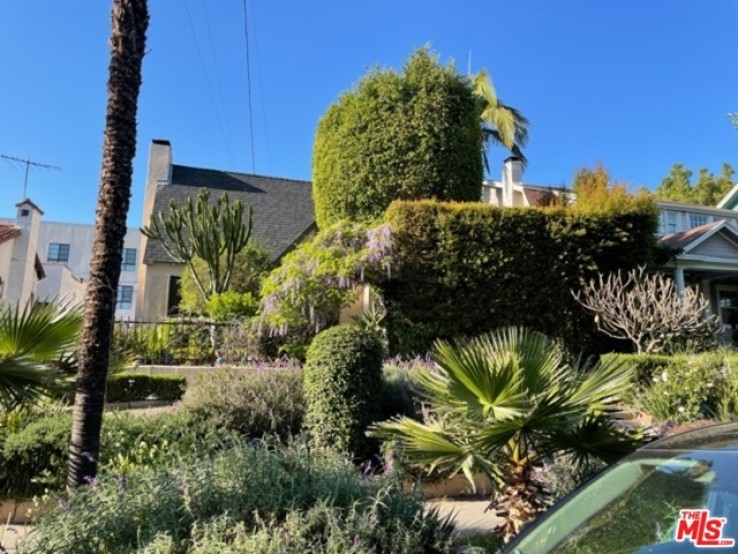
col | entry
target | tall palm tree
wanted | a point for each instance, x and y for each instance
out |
(503, 404)
(130, 20)
(36, 341)
(501, 124)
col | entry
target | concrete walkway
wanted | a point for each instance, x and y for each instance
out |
(469, 516)
(10, 535)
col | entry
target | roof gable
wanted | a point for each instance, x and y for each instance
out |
(283, 208)
(717, 239)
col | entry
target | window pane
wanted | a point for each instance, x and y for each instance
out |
(124, 298)
(128, 263)
(58, 252)
(697, 220)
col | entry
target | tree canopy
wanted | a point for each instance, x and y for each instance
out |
(595, 191)
(708, 190)
(408, 135)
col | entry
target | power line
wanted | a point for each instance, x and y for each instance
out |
(218, 80)
(248, 84)
(210, 88)
(28, 163)
(260, 82)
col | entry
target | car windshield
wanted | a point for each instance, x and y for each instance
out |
(634, 506)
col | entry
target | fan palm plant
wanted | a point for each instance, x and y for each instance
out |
(503, 404)
(501, 124)
(36, 342)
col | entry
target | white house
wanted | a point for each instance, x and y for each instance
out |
(66, 249)
(61, 252)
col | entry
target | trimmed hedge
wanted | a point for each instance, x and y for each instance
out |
(127, 387)
(342, 384)
(467, 268)
(410, 135)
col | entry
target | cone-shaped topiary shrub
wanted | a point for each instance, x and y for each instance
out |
(342, 383)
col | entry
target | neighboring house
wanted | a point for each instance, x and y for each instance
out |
(707, 241)
(20, 267)
(283, 216)
(62, 251)
(510, 191)
(705, 237)
(66, 251)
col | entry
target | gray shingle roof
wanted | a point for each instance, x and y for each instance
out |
(283, 208)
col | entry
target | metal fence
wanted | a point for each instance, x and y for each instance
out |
(182, 342)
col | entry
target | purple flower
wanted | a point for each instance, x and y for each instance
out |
(91, 481)
(64, 506)
(357, 541)
(183, 486)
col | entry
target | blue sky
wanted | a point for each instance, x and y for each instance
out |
(637, 85)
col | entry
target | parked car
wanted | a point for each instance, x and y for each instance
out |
(677, 494)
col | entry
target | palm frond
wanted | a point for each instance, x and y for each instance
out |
(35, 344)
(599, 386)
(594, 437)
(478, 380)
(431, 447)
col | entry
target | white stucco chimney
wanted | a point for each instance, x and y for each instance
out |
(512, 176)
(22, 275)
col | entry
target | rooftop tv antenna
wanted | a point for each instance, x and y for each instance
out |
(28, 163)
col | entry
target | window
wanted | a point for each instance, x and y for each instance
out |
(696, 220)
(58, 252)
(124, 299)
(174, 297)
(728, 305)
(671, 222)
(129, 260)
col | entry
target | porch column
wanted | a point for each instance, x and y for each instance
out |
(679, 280)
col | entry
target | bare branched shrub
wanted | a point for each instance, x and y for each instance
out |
(648, 310)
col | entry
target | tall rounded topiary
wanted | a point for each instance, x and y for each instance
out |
(405, 136)
(342, 384)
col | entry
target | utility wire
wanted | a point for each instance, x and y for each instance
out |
(229, 150)
(248, 84)
(260, 81)
(218, 80)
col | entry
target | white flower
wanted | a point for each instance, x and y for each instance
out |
(680, 409)
(664, 375)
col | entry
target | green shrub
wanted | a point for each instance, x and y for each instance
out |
(230, 305)
(342, 380)
(467, 268)
(255, 401)
(414, 135)
(36, 457)
(247, 498)
(685, 387)
(127, 387)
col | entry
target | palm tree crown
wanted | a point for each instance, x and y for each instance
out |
(501, 124)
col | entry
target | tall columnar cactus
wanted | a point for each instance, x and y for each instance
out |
(214, 233)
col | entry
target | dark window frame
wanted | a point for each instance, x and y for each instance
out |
(124, 298)
(58, 252)
(128, 259)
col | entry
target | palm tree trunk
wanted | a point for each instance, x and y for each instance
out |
(129, 23)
